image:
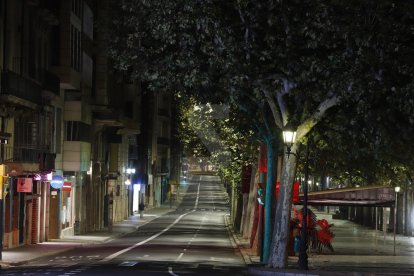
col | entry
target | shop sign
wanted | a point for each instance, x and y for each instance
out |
(56, 182)
(67, 186)
(24, 185)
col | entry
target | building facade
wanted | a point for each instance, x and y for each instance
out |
(81, 146)
(28, 89)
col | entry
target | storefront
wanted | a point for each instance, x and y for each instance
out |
(25, 208)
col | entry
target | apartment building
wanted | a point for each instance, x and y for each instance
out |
(28, 89)
(80, 145)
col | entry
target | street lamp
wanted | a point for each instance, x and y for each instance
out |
(397, 190)
(289, 136)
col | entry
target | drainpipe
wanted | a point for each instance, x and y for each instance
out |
(5, 35)
(2, 216)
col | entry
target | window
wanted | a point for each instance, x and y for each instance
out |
(55, 46)
(164, 127)
(75, 48)
(58, 130)
(129, 110)
(77, 131)
(77, 8)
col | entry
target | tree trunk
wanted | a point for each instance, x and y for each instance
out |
(255, 225)
(269, 198)
(239, 210)
(251, 204)
(278, 251)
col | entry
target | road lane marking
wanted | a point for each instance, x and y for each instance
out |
(179, 257)
(198, 195)
(128, 263)
(116, 254)
(171, 271)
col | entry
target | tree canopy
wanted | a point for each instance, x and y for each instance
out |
(341, 69)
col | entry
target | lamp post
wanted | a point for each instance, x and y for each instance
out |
(289, 136)
(396, 189)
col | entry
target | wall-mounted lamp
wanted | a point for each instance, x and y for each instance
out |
(289, 137)
(130, 170)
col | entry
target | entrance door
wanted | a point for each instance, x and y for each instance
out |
(54, 214)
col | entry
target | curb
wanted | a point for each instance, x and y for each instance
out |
(235, 241)
(2, 263)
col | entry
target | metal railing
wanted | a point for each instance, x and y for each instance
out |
(20, 87)
(24, 155)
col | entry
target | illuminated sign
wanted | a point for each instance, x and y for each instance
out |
(56, 182)
(24, 185)
(67, 186)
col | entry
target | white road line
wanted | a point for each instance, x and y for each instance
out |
(198, 194)
(171, 272)
(116, 254)
(179, 257)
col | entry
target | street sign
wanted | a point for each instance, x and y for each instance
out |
(24, 185)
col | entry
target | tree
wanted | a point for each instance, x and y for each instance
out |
(313, 60)
(301, 59)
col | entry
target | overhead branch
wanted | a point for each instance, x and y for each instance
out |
(308, 124)
(246, 32)
(273, 107)
(287, 86)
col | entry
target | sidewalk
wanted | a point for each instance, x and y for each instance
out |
(358, 250)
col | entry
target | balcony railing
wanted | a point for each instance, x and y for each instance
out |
(46, 160)
(16, 85)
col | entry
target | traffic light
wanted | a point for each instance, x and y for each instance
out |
(261, 196)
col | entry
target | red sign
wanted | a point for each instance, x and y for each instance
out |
(263, 158)
(24, 185)
(67, 186)
(295, 191)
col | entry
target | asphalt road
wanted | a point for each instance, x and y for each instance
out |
(192, 240)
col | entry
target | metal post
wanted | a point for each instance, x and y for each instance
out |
(2, 216)
(303, 256)
(261, 232)
(395, 217)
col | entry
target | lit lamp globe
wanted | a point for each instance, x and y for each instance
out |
(289, 136)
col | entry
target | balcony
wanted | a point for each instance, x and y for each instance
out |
(45, 160)
(50, 82)
(18, 89)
